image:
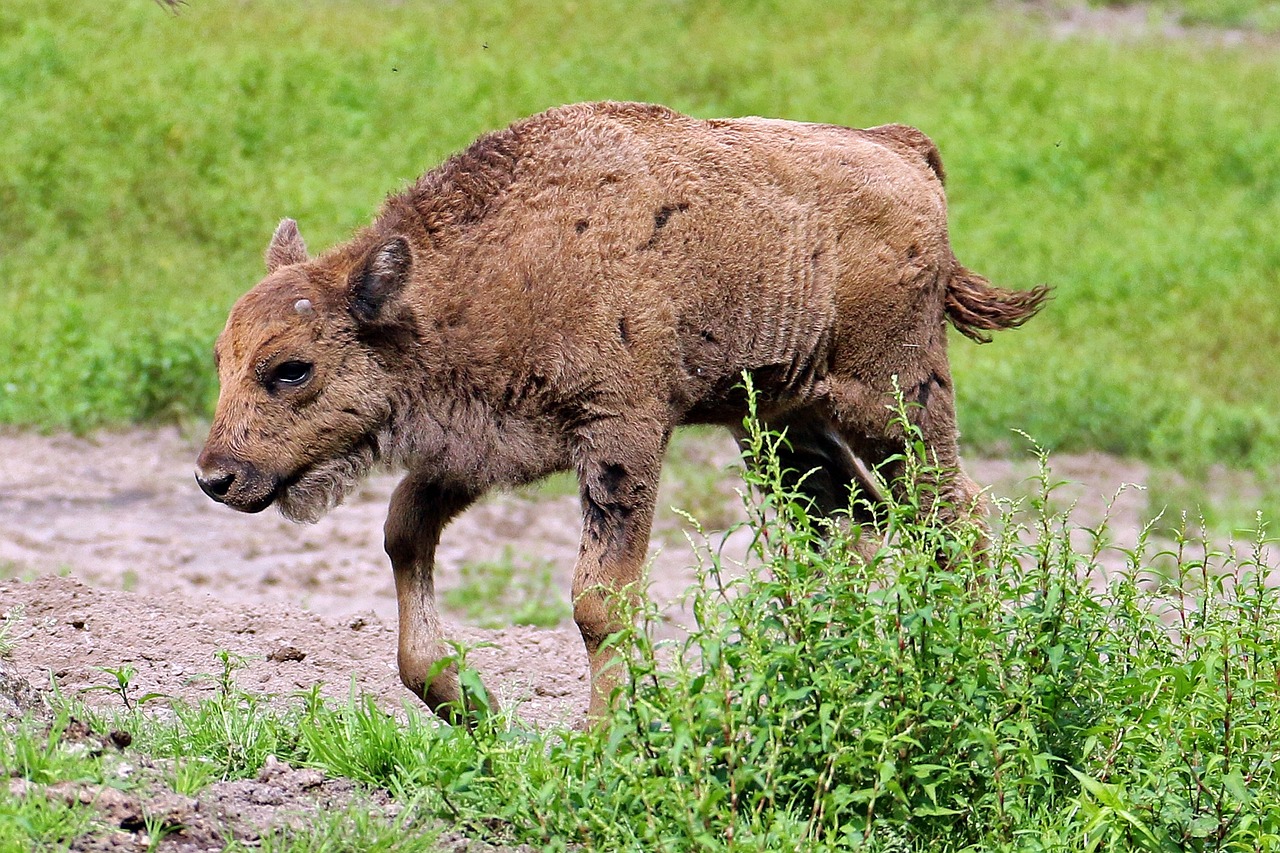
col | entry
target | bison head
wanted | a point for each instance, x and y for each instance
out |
(305, 388)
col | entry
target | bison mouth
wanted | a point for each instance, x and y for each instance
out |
(253, 506)
(303, 495)
(307, 494)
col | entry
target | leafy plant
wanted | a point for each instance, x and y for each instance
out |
(124, 686)
(1016, 698)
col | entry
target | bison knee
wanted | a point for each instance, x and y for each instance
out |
(592, 618)
(600, 612)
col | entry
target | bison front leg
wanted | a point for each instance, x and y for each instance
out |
(618, 466)
(418, 513)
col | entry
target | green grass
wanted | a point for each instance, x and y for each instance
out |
(698, 486)
(44, 753)
(507, 591)
(13, 617)
(147, 157)
(39, 823)
(38, 751)
(1027, 701)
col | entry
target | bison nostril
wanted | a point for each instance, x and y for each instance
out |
(217, 483)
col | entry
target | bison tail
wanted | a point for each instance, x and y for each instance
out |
(975, 306)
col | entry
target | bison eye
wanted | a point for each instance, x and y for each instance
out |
(291, 373)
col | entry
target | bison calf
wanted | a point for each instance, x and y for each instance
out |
(567, 291)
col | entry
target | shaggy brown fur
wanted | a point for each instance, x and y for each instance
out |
(567, 291)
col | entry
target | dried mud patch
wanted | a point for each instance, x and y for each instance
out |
(71, 632)
(1135, 21)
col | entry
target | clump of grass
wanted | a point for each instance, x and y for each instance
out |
(1022, 700)
(36, 822)
(507, 591)
(35, 752)
(13, 617)
(231, 734)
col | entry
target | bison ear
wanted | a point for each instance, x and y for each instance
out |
(286, 246)
(379, 277)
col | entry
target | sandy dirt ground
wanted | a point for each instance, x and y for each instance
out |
(111, 556)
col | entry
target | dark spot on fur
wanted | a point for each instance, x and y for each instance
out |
(581, 225)
(606, 522)
(925, 390)
(623, 332)
(605, 511)
(661, 218)
(454, 317)
(664, 214)
(913, 251)
(388, 338)
(708, 336)
(611, 477)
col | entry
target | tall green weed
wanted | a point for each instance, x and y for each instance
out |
(1015, 697)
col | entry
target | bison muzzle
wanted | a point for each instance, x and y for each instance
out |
(563, 294)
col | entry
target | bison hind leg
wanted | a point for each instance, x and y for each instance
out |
(819, 465)
(866, 422)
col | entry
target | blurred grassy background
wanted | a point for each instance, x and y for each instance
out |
(145, 159)
(1261, 15)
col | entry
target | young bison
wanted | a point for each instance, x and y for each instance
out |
(566, 292)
